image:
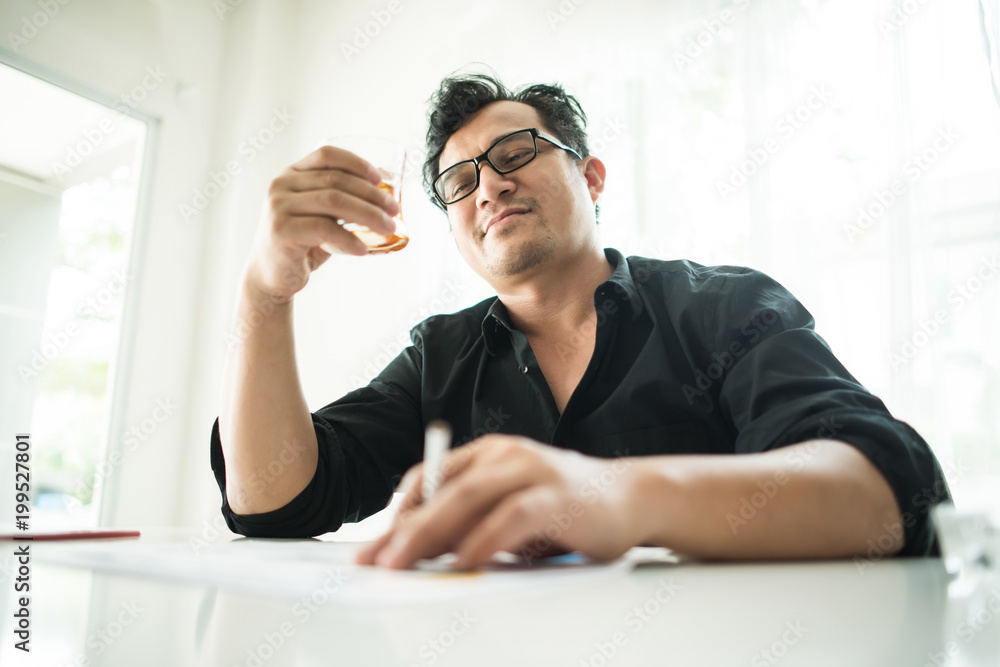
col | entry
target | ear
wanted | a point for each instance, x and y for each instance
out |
(594, 171)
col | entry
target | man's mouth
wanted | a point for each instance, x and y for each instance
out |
(499, 217)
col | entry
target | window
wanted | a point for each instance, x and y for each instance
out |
(70, 175)
(849, 149)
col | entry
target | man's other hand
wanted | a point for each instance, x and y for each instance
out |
(511, 493)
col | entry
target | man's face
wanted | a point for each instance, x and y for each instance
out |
(516, 222)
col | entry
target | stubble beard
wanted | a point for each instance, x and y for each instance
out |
(529, 254)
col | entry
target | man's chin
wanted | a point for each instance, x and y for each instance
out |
(510, 259)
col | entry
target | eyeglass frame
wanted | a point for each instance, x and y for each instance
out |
(477, 161)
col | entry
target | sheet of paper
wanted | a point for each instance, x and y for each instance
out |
(297, 568)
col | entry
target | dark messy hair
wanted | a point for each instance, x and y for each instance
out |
(461, 96)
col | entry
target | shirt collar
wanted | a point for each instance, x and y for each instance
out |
(496, 326)
(619, 286)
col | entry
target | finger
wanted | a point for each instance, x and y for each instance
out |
(455, 461)
(412, 480)
(322, 232)
(338, 204)
(335, 179)
(331, 157)
(366, 555)
(326, 249)
(438, 526)
(411, 486)
(512, 526)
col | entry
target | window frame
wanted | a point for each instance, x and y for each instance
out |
(106, 489)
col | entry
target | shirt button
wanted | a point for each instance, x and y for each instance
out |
(523, 369)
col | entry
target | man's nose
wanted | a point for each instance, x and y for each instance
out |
(493, 185)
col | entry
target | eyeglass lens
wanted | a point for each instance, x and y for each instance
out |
(510, 153)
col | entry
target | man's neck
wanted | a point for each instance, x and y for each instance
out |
(557, 298)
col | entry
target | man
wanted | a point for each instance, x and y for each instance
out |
(597, 402)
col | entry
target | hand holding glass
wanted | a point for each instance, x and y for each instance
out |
(389, 158)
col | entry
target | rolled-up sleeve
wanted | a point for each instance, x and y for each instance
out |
(785, 386)
(367, 440)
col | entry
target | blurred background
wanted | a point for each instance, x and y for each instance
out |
(850, 149)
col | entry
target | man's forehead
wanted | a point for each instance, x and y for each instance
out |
(485, 126)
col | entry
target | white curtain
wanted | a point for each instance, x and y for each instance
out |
(852, 151)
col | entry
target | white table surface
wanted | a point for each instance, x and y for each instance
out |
(892, 612)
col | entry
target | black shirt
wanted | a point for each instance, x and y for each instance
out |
(688, 359)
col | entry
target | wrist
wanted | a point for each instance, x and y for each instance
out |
(253, 294)
(653, 498)
(256, 313)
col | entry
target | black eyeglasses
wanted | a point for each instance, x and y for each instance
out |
(507, 154)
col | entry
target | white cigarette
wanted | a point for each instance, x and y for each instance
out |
(437, 441)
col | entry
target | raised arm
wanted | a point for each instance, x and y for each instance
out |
(265, 427)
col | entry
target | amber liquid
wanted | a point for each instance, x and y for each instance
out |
(381, 243)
